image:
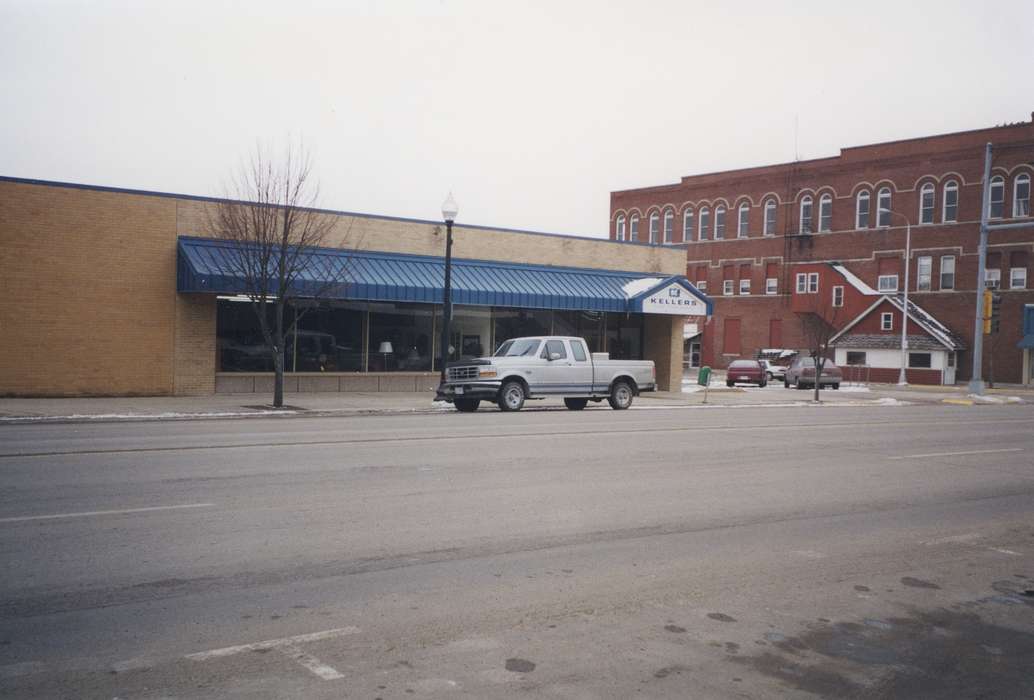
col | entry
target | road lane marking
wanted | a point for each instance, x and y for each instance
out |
(311, 663)
(1001, 550)
(274, 643)
(954, 539)
(958, 454)
(88, 513)
(288, 646)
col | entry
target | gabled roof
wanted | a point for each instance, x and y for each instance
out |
(640, 291)
(937, 330)
(877, 341)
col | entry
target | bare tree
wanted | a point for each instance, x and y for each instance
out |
(269, 216)
(818, 328)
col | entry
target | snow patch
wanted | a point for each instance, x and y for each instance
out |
(149, 416)
(977, 398)
(636, 287)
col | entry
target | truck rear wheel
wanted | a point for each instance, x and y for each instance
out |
(466, 405)
(620, 396)
(511, 396)
(576, 404)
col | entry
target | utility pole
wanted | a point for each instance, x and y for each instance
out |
(976, 383)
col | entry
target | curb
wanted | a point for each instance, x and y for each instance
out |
(343, 412)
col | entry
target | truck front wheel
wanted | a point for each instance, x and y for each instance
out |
(576, 404)
(620, 396)
(466, 405)
(511, 396)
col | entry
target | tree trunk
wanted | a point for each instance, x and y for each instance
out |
(278, 357)
(278, 378)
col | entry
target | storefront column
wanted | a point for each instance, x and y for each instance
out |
(663, 345)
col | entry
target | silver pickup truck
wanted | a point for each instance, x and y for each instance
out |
(536, 368)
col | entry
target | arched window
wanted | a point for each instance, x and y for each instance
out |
(687, 225)
(719, 222)
(770, 217)
(950, 211)
(655, 225)
(669, 225)
(743, 222)
(806, 207)
(996, 207)
(883, 207)
(926, 197)
(705, 223)
(1021, 195)
(861, 210)
(619, 229)
(633, 228)
(826, 212)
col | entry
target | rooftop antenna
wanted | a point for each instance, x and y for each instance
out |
(796, 131)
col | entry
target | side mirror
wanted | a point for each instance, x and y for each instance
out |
(554, 356)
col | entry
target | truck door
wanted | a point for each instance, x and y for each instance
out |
(553, 374)
(580, 367)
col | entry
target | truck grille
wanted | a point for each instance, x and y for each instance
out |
(461, 373)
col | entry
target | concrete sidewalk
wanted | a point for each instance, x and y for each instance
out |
(230, 406)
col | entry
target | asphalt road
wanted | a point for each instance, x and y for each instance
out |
(882, 551)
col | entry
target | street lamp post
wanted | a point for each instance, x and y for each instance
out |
(449, 212)
(902, 380)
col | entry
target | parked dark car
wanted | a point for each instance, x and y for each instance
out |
(801, 374)
(746, 372)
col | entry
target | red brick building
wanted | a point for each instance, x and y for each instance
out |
(751, 234)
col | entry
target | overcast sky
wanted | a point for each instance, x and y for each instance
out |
(531, 112)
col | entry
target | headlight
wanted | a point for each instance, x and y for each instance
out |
(486, 372)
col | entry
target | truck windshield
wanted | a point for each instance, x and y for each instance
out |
(521, 347)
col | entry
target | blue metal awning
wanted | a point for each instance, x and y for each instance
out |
(205, 265)
(1026, 342)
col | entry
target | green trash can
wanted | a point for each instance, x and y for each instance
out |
(704, 376)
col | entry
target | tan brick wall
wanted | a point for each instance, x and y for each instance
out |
(88, 279)
(421, 238)
(195, 345)
(664, 346)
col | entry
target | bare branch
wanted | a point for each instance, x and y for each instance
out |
(271, 222)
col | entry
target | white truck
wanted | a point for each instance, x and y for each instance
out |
(540, 367)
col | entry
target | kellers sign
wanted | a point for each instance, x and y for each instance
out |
(674, 300)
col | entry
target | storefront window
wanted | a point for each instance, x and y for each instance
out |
(405, 337)
(471, 332)
(239, 338)
(328, 338)
(581, 324)
(625, 336)
(520, 323)
(402, 337)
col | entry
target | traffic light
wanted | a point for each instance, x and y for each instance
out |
(987, 311)
(996, 312)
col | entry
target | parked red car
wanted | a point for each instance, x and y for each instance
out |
(746, 372)
(801, 374)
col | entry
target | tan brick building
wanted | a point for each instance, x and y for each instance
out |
(89, 278)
